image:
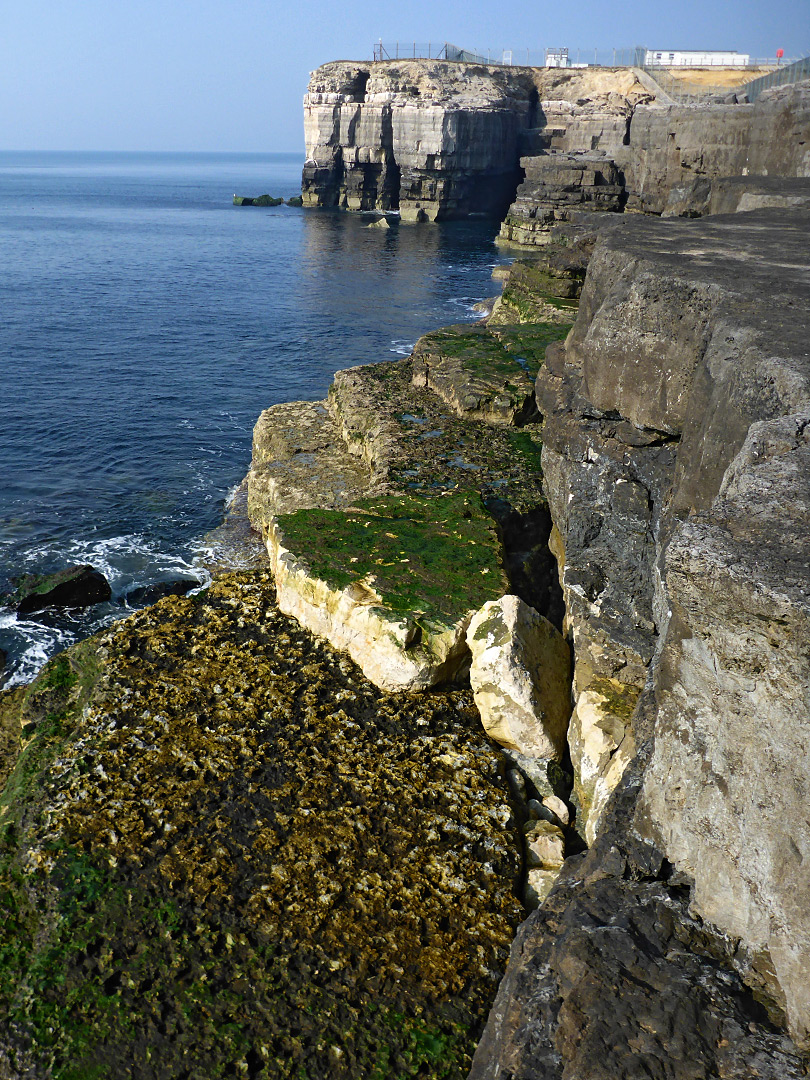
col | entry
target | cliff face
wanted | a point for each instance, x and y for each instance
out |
(670, 147)
(677, 467)
(438, 140)
(667, 162)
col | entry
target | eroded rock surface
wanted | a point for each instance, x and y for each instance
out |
(365, 502)
(224, 852)
(671, 146)
(673, 159)
(676, 465)
(613, 978)
(520, 677)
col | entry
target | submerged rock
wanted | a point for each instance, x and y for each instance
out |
(75, 586)
(142, 595)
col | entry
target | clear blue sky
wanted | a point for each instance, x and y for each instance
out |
(229, 74)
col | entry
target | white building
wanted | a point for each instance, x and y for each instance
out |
(557, 58)
(705, 58)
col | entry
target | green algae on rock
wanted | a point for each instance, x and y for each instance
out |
(240, 858)
(470, 370)
(434, 558)
(393, 581)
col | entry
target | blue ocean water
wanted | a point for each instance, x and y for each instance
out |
(145, 322)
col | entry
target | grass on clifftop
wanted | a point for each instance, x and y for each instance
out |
(435, 558)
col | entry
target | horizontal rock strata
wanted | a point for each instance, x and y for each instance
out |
(436, 140)
(670, 146)
(675, 461)
(554, 185)
(673, 159)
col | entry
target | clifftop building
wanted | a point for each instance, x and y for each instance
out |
(699, 58)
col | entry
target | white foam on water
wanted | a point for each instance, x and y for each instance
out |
(401, 347)
(128, 561)
(39, 643)
(467, 303)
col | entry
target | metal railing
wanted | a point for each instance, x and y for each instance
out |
(790, 73)
(443, 50)
(678, 89)
(683, 92)
(432, 50)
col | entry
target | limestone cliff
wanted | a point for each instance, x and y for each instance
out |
(671, 146)
(436, 140)
(666, 163)
(676, 464)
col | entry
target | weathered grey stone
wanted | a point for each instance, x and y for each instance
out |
(732, 194)
(520, 676)
(438, 140)
(555, 184)
(671, 159)
(670, 147)
(300, 460)
(613, 979)
(545, 845)
(678, 473)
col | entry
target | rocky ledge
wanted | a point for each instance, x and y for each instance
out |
(676, 463)
(223, 852)
(396, 509)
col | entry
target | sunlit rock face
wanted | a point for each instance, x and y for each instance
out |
(676, 462)
(428, 138)
(437, 140)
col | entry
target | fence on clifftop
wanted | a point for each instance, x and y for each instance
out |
(546, 57)
(443, 50)
(683, 92)
(790, 73)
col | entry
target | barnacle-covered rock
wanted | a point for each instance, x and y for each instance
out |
(224, 852)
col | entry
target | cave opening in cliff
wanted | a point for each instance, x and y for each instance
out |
(534, 108)
(357, 87)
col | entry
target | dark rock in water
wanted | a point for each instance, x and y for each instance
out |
(142, 595)
(260, 200)
(75, 586)
(296, 200)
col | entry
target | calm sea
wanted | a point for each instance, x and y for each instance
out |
(145, 322)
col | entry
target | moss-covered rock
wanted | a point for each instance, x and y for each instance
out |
(413, 442)
(392, 581)
(225, 853)
(545, 289)
(75, 586)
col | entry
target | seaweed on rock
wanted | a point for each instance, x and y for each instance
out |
(226, 853)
